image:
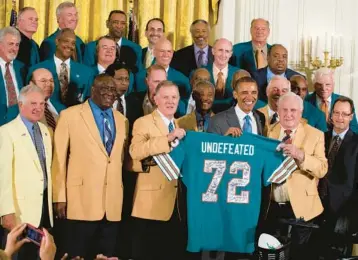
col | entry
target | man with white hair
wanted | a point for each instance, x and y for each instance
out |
(279, 86)
(12, 74)
(27, 23)
(297, 196)
(323, 97)
(67, 17)
(25, 168)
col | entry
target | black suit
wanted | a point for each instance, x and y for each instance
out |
(144, 52)
(184, 60)
(128, 57)
(261, 78)
(221, 122)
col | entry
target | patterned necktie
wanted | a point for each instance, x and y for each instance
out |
(273, 119)
(220, 86)
(148, 58)
(63, 78)
(200, 61)
(50, 120)
(287, 139)
(38, 142)
(10, 87)
(247, 128)
(120, 105)
(201, 125)
(171, 127)
(107, 133)
(260, 59)
(324, 108)
(118, 52)
(336, 143)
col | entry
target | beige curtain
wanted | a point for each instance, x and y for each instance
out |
(177, 15)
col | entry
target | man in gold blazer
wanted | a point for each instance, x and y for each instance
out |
(297, 197)
(89, 144)
(25, 168)
(158, 232)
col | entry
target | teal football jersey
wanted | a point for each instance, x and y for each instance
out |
(224, 177)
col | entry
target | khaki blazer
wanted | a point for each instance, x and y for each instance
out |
(21, 175)
(302, 184)
(84, 175)
(188, 122)
(154, 195)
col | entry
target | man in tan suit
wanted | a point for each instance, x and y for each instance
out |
(158, 232)
(297, 197)
(43, 79)
(25, 168)
(89, 145)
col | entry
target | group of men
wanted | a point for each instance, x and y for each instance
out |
(82, 126)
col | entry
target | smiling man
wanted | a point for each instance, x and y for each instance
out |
(198, 54)
(242, 117)
(67, 17)
(154, 30)
(91, 216)
(72, 79)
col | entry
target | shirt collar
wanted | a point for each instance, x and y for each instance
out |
(270, 75)
(119, 42)
(270, 111)
(59, 61)
(329, 99)
(29, 125)
(165, 119)
(241, 114)
(341, 135)
(205, 49)
(100, 68)
(263, 48)
(97, 110)
(3, 62)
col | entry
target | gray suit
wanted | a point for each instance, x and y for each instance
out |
(220, 123)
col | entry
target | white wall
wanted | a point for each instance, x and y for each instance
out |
(290, 19)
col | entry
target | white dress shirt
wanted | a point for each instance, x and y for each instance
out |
(241, 115)
(166, 120)
(271, 113)
(58, 63)
(13, 76)
(52, 108)
(123, 103)
(100, 68)
(191, 104)
(319, 102)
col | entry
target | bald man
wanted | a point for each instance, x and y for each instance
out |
(43, 79)
(163, 53)
(221, 73)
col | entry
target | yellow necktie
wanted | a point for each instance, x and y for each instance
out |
(220, 85)
(260, 59)
(148, 58)
(324, 108)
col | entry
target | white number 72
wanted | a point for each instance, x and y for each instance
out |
(220, 166)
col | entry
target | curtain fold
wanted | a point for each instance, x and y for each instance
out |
(177, 15)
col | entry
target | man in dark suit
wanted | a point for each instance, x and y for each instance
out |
(12, 74)
(323, 97)
(242, 117)
(154, 30)
(27, 22)
(127, 52)
(338, 188)
(252, 55)
(67, 17)
(196, 55)
(277, 65)
(73, 80)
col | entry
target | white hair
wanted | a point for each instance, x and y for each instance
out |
(62, 6)
(277, 77)
(27, 90)
(323, 72)
(288, 95)
(9, 30)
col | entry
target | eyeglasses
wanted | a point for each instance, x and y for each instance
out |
(343, 114)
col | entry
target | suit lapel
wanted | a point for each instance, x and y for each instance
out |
(231, 118)
(258, 122)
(192, 56)
(2, 89)
(88, 118)
(158, 121)
(192, 121)
(118, 142)
(47, 146)
(299, 137)
(346, 140)
(210, 55)
(18, 69)
(327, 141)
(274, 131)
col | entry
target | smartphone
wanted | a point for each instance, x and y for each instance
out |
(34, 234)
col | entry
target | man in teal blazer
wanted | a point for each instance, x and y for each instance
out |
(127, 52)
(9, 47)
(67, 17)
(81, 76)
(245, 53)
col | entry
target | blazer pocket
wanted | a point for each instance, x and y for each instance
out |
(75, 182)
(150, 187)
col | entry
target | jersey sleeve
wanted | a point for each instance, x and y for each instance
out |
(273, 162)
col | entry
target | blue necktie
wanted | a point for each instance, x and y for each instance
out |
(39, 146)
(108, 135)
(171, 127)
(247, 124)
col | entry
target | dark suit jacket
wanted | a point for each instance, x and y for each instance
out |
(341, 177)
(184, 59)
(9, 113)
(48, 47)
(312, 98)
(28, 51)
(261, 78)
(81, 79)
(221, 122)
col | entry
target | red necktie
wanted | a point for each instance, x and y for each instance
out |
(287, 138)
(11, 92)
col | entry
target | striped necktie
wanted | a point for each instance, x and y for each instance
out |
(50, 120)
(107, 133)
(39, 146)
(10, 87)
(171, 127)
